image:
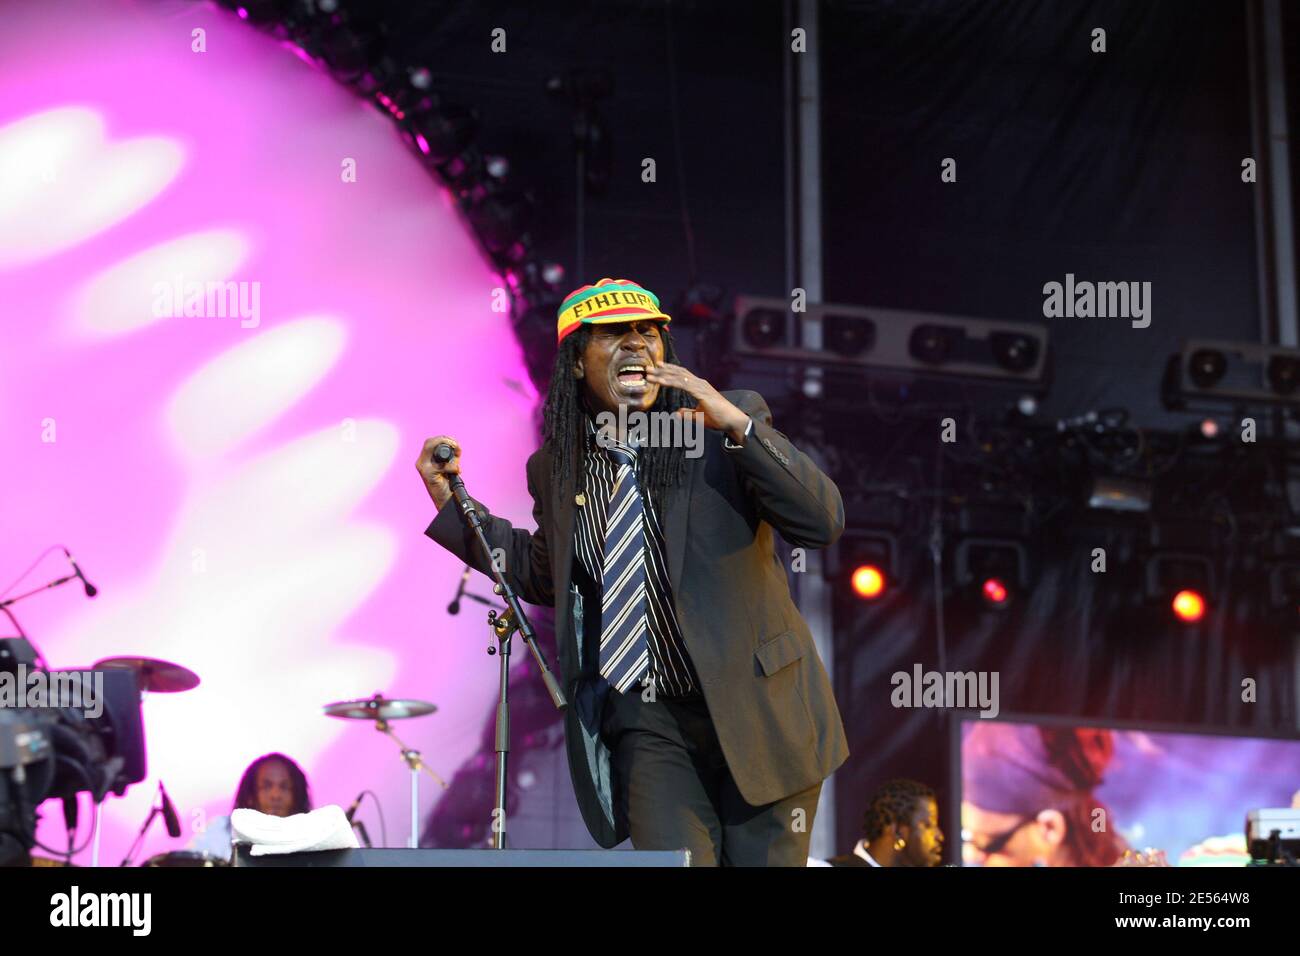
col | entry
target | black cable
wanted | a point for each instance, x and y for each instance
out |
(53, 547)
(936, 554)
(70, 852)
(693, 272)
(379, 807)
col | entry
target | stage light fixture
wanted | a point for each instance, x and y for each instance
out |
(1230, 374)
(902, 345)
(996, 594)
(700, 302)
(868, 581)
(1283, 374)
(991, 571)
(1013, 351)
(862, 564)
(1180, 581)
(259, 12)
(764, 328)
(443, 133)
(1206, 366)
(1188, 605)
(848, 335)
(464, 175)
(814, 386)
(933, 344)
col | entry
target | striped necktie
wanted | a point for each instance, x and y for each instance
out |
(624, 647)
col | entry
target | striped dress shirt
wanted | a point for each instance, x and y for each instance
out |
(670, 665)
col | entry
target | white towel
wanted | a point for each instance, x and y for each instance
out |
(324, 829)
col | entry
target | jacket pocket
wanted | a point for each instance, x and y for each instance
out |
(779, 652)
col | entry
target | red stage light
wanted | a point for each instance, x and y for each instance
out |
(995, 592)
(1189, 606)
(868, 581)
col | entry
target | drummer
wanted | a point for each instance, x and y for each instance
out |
(272, 784)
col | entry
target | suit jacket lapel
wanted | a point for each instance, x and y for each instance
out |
(564, 517)
(676, 507)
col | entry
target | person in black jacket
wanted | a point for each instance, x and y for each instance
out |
(700, 714)
(900, 828)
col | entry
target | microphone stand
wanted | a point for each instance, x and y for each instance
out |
(154, 810)
(454, 606)
(44, 587)
(19, 649)
(504, 626)
(415, 763)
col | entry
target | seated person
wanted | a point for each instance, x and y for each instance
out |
(900, 828)
(272, 784)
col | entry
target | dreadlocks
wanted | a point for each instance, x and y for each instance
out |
(246, 795)
(658, 467)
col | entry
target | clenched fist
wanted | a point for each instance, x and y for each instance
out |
(435, 473)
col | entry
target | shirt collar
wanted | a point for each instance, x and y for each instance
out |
(861, 850)
(593, 444)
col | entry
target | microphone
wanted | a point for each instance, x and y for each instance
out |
(91, 590)
(357, 824)
(352, 810)
(444, 453)
(454, 606)
(169, 813)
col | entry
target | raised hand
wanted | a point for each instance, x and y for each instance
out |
(718, 413)
(435, 473)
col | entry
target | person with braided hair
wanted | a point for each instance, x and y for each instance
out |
(899, 828)
(700, 715)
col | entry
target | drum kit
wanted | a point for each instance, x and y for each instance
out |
(381, 710)
(164, 677)
(154, 676)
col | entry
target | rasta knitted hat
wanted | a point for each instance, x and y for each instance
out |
(609, 300)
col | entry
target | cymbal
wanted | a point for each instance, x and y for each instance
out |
(156, 676)
(379, 707)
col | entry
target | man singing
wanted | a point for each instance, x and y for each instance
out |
(700, 714)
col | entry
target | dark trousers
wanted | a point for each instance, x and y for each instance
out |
(675, 791)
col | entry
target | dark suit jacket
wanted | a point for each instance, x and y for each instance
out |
(765, 687)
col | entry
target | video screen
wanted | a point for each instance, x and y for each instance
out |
(1056, 795)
